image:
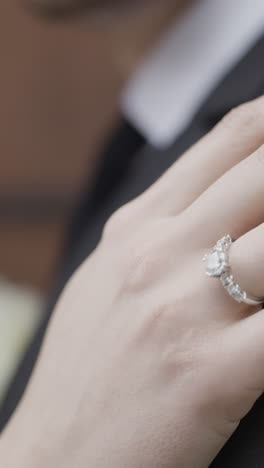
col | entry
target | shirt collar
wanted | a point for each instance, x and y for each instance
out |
(193, 55)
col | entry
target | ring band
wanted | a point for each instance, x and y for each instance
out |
(218, 266)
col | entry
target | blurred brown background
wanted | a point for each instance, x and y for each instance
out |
(56, 106)
(58, 99)
(59, 93)
(59, 86)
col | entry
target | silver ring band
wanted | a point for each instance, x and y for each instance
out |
(218, 266)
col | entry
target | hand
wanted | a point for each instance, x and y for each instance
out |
(147, 362)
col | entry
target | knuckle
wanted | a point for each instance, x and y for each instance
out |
(123, 218)
(168, 311)
(161, 312)
(259, 155)
(117, 222)
(141, 267)
(160, 315)
(245, 115)
(179, 360)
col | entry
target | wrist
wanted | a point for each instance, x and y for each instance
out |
(11, 453)
(22, 448)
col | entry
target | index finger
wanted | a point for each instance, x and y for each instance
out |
(238, 135)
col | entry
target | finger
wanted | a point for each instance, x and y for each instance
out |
(247, 260)
(233, 204)
(239, 134)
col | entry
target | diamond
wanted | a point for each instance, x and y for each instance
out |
(216, 262)
(218, 266)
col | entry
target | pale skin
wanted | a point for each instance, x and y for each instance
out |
(147, 362)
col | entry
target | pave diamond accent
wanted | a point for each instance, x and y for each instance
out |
(224, 243)
(233, 288)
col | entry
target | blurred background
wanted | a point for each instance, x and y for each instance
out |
(52, 92)
(59, 93)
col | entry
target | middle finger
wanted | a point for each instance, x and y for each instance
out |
(232, 205)
(232, 140)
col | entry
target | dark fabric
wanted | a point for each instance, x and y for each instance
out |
(118, 154)
(244, 82)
